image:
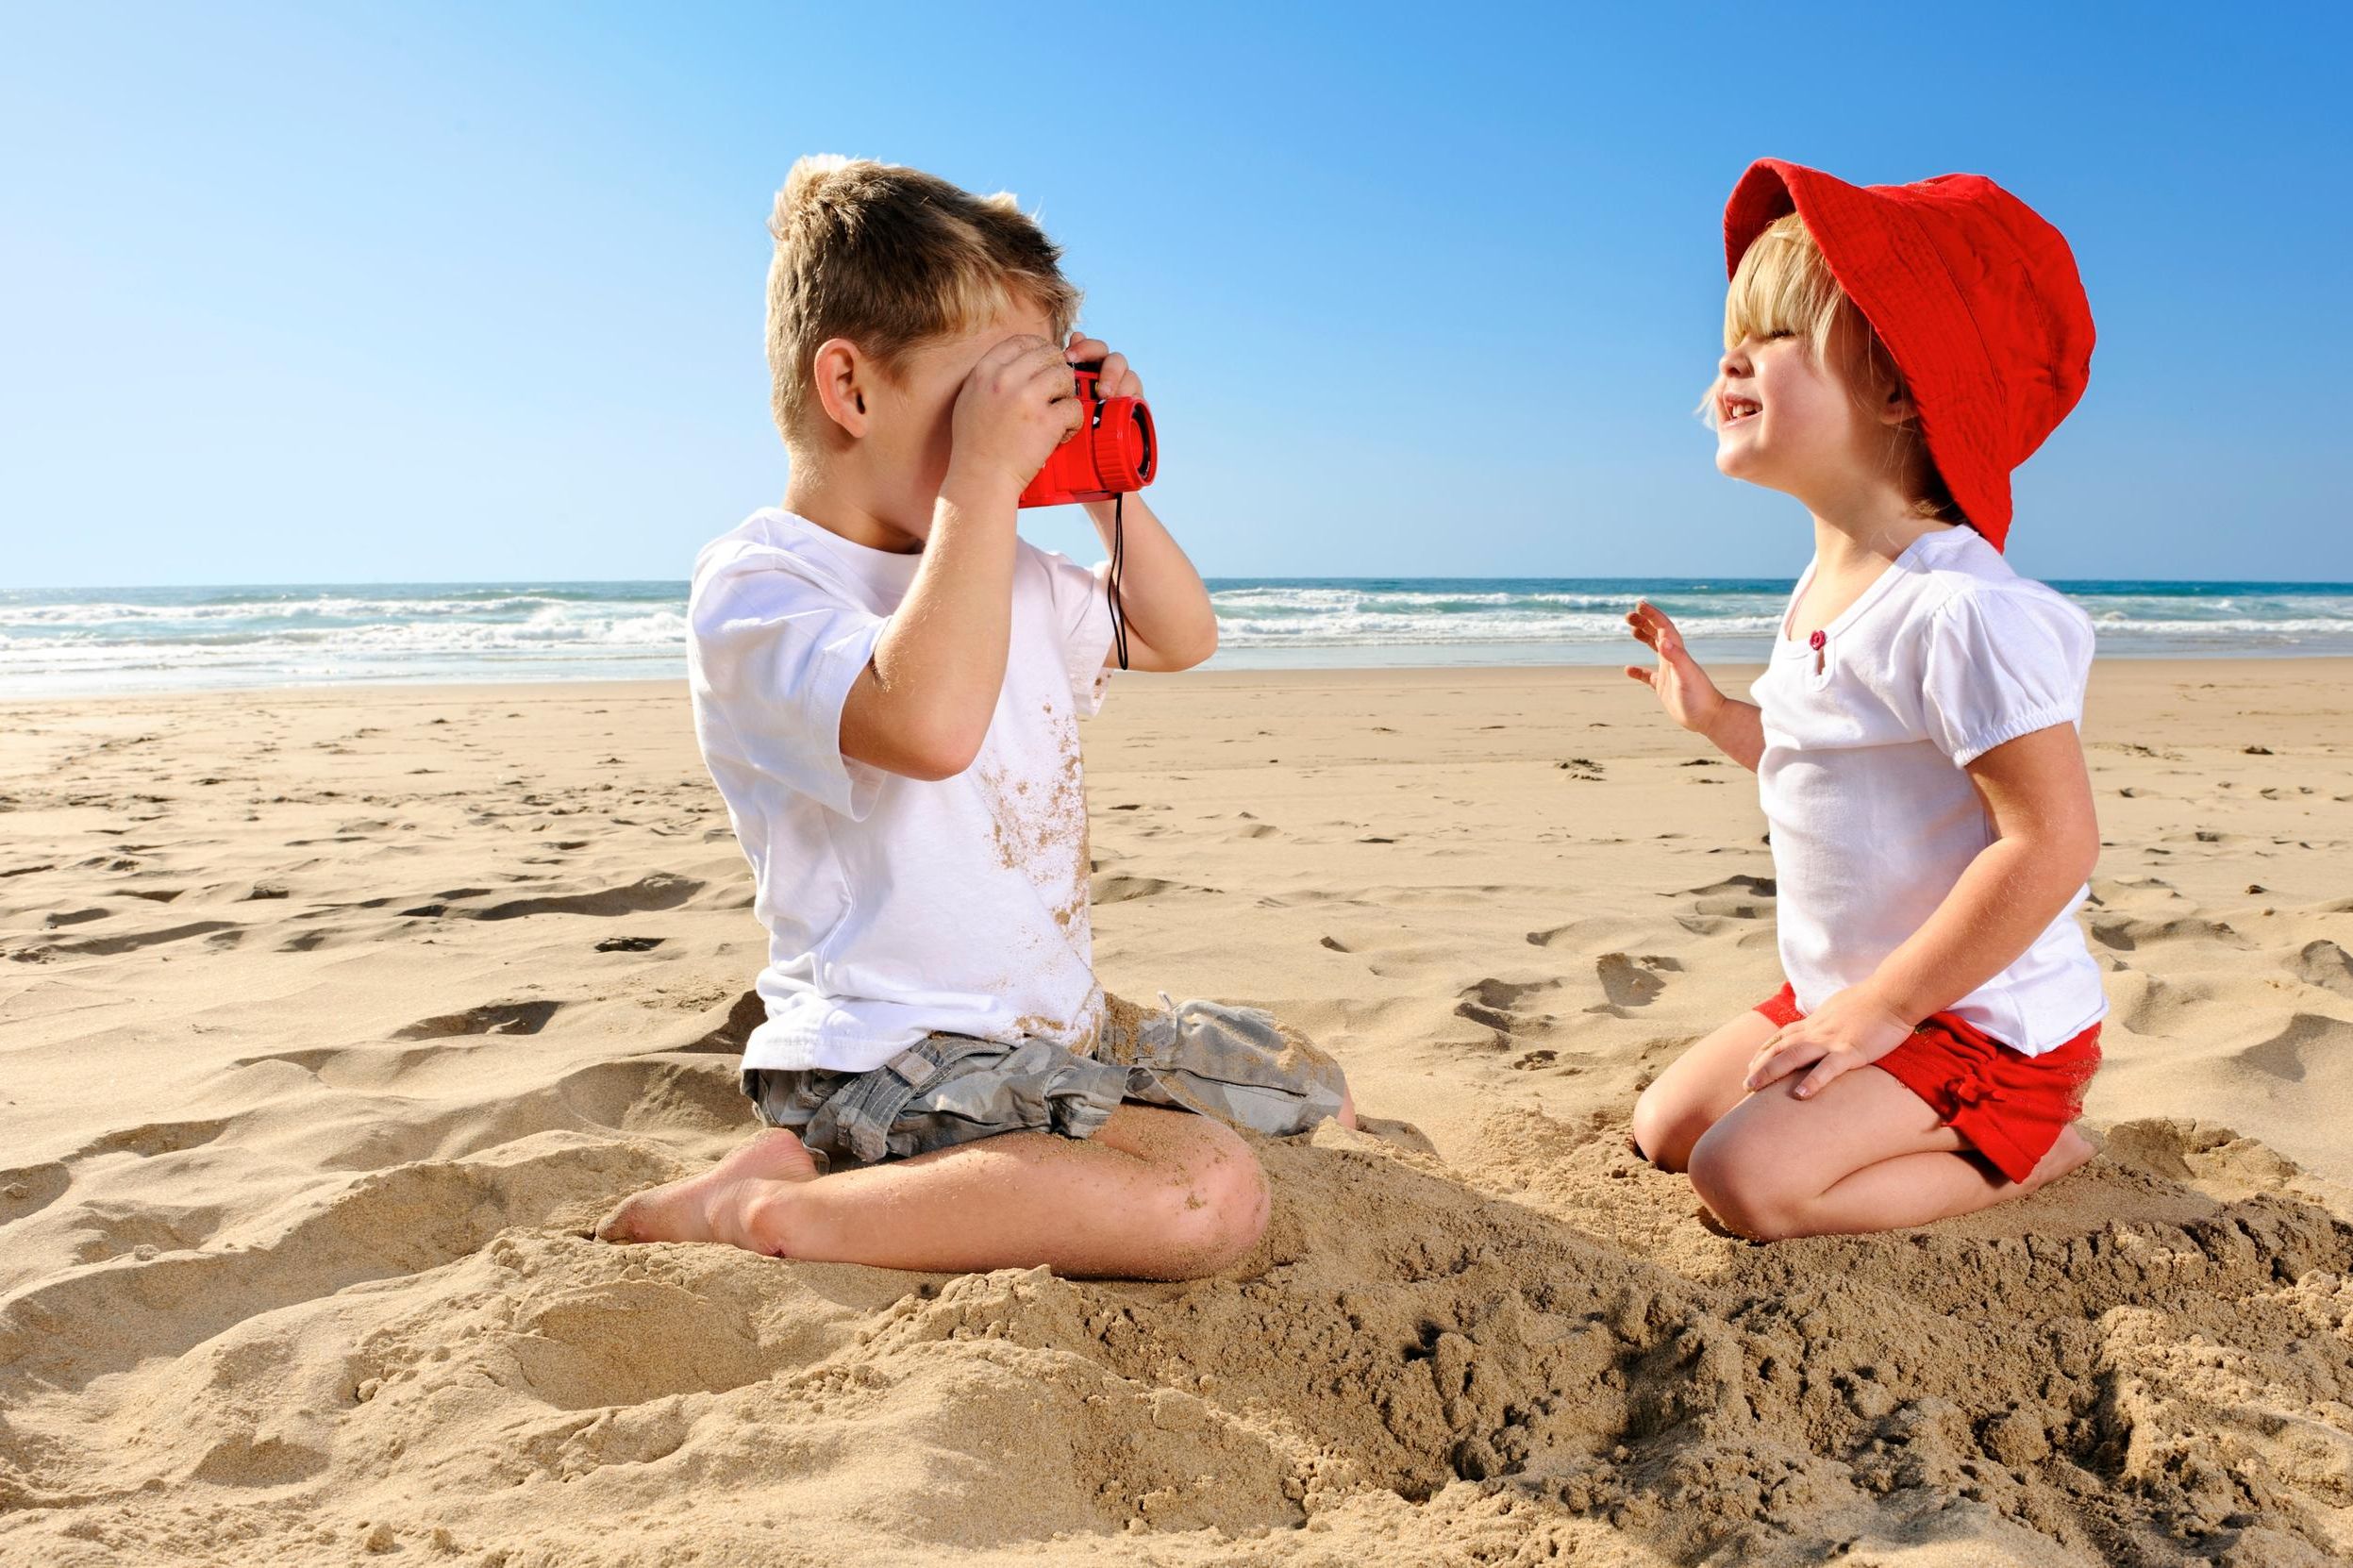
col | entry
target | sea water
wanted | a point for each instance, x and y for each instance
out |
(65, 641)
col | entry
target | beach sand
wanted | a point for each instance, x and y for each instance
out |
(332, 1020)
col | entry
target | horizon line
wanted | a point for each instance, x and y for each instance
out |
(1208, 578)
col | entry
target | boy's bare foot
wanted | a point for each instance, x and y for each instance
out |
(718, 1205)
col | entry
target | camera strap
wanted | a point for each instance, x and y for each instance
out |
(1111, 585)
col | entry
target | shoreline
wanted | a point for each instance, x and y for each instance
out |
(1735, 671)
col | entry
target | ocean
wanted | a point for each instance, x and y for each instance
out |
(87, 641)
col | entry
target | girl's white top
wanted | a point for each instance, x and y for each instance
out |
(1946, 656)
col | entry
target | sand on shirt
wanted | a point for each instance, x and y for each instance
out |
(332, 1019)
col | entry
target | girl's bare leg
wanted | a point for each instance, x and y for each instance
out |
(1695, 1092)
(1156, 1194)
(1865, 1154)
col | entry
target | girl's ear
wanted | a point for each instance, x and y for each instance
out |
(842, 375)
(1895, 407)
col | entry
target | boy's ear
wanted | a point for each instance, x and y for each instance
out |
(842, 375)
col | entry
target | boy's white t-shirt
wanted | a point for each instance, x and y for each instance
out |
(896, 907)
(1948, 654)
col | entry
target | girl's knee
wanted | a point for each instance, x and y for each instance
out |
(1742, 1190)
(1664, 1128)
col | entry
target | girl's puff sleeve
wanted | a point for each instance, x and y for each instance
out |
(1999, 663)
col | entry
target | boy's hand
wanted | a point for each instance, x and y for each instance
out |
(1018, 404)
(1684, 689)
(1115, 380)
(1852, 1029)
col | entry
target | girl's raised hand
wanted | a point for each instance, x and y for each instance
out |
(1684, 689)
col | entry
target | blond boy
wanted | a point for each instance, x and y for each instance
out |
(887, 685)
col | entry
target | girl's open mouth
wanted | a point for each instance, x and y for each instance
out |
(1735, 411)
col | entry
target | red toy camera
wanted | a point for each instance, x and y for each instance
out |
(1114, 452)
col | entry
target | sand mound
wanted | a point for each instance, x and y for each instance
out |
(2157, 1352)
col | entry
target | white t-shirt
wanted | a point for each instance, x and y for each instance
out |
(896, 907)
(1946, 656)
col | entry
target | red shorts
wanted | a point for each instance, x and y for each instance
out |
(2010, 1104)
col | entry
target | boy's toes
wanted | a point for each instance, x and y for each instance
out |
(617, 1227)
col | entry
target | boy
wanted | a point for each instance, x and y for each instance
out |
(887, 685)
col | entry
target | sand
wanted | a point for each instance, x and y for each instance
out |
(332, 1019)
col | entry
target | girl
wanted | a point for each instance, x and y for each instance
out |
(1891, 354)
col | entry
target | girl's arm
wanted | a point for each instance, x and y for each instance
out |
(1691, 699)
(2039, 794)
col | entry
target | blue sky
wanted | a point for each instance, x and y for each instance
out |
(425, 292)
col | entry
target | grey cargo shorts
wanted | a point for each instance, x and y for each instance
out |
(1234, 1064)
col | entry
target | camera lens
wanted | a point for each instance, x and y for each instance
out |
(1145, 455)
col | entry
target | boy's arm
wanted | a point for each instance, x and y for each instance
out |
(923, 705)
(2047, 839)
(1162, 603)
(1170, 624)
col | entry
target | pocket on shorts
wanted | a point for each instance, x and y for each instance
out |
(1236, 1065)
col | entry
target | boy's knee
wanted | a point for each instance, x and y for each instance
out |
(1216, 1209)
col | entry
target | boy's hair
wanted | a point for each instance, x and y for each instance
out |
(892, 258)
(1783, 285)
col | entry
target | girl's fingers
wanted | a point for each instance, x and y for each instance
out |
(1779, 1060)
(1830, 1067)
(1638, 673)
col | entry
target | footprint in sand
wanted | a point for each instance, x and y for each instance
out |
(661, 891)
(1737, 897)
(490, 1018)
(2310, 1042)
(1496, 1004)
(2323, 963)
(1630, 982)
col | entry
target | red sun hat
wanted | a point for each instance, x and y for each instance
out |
(1975, 296)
